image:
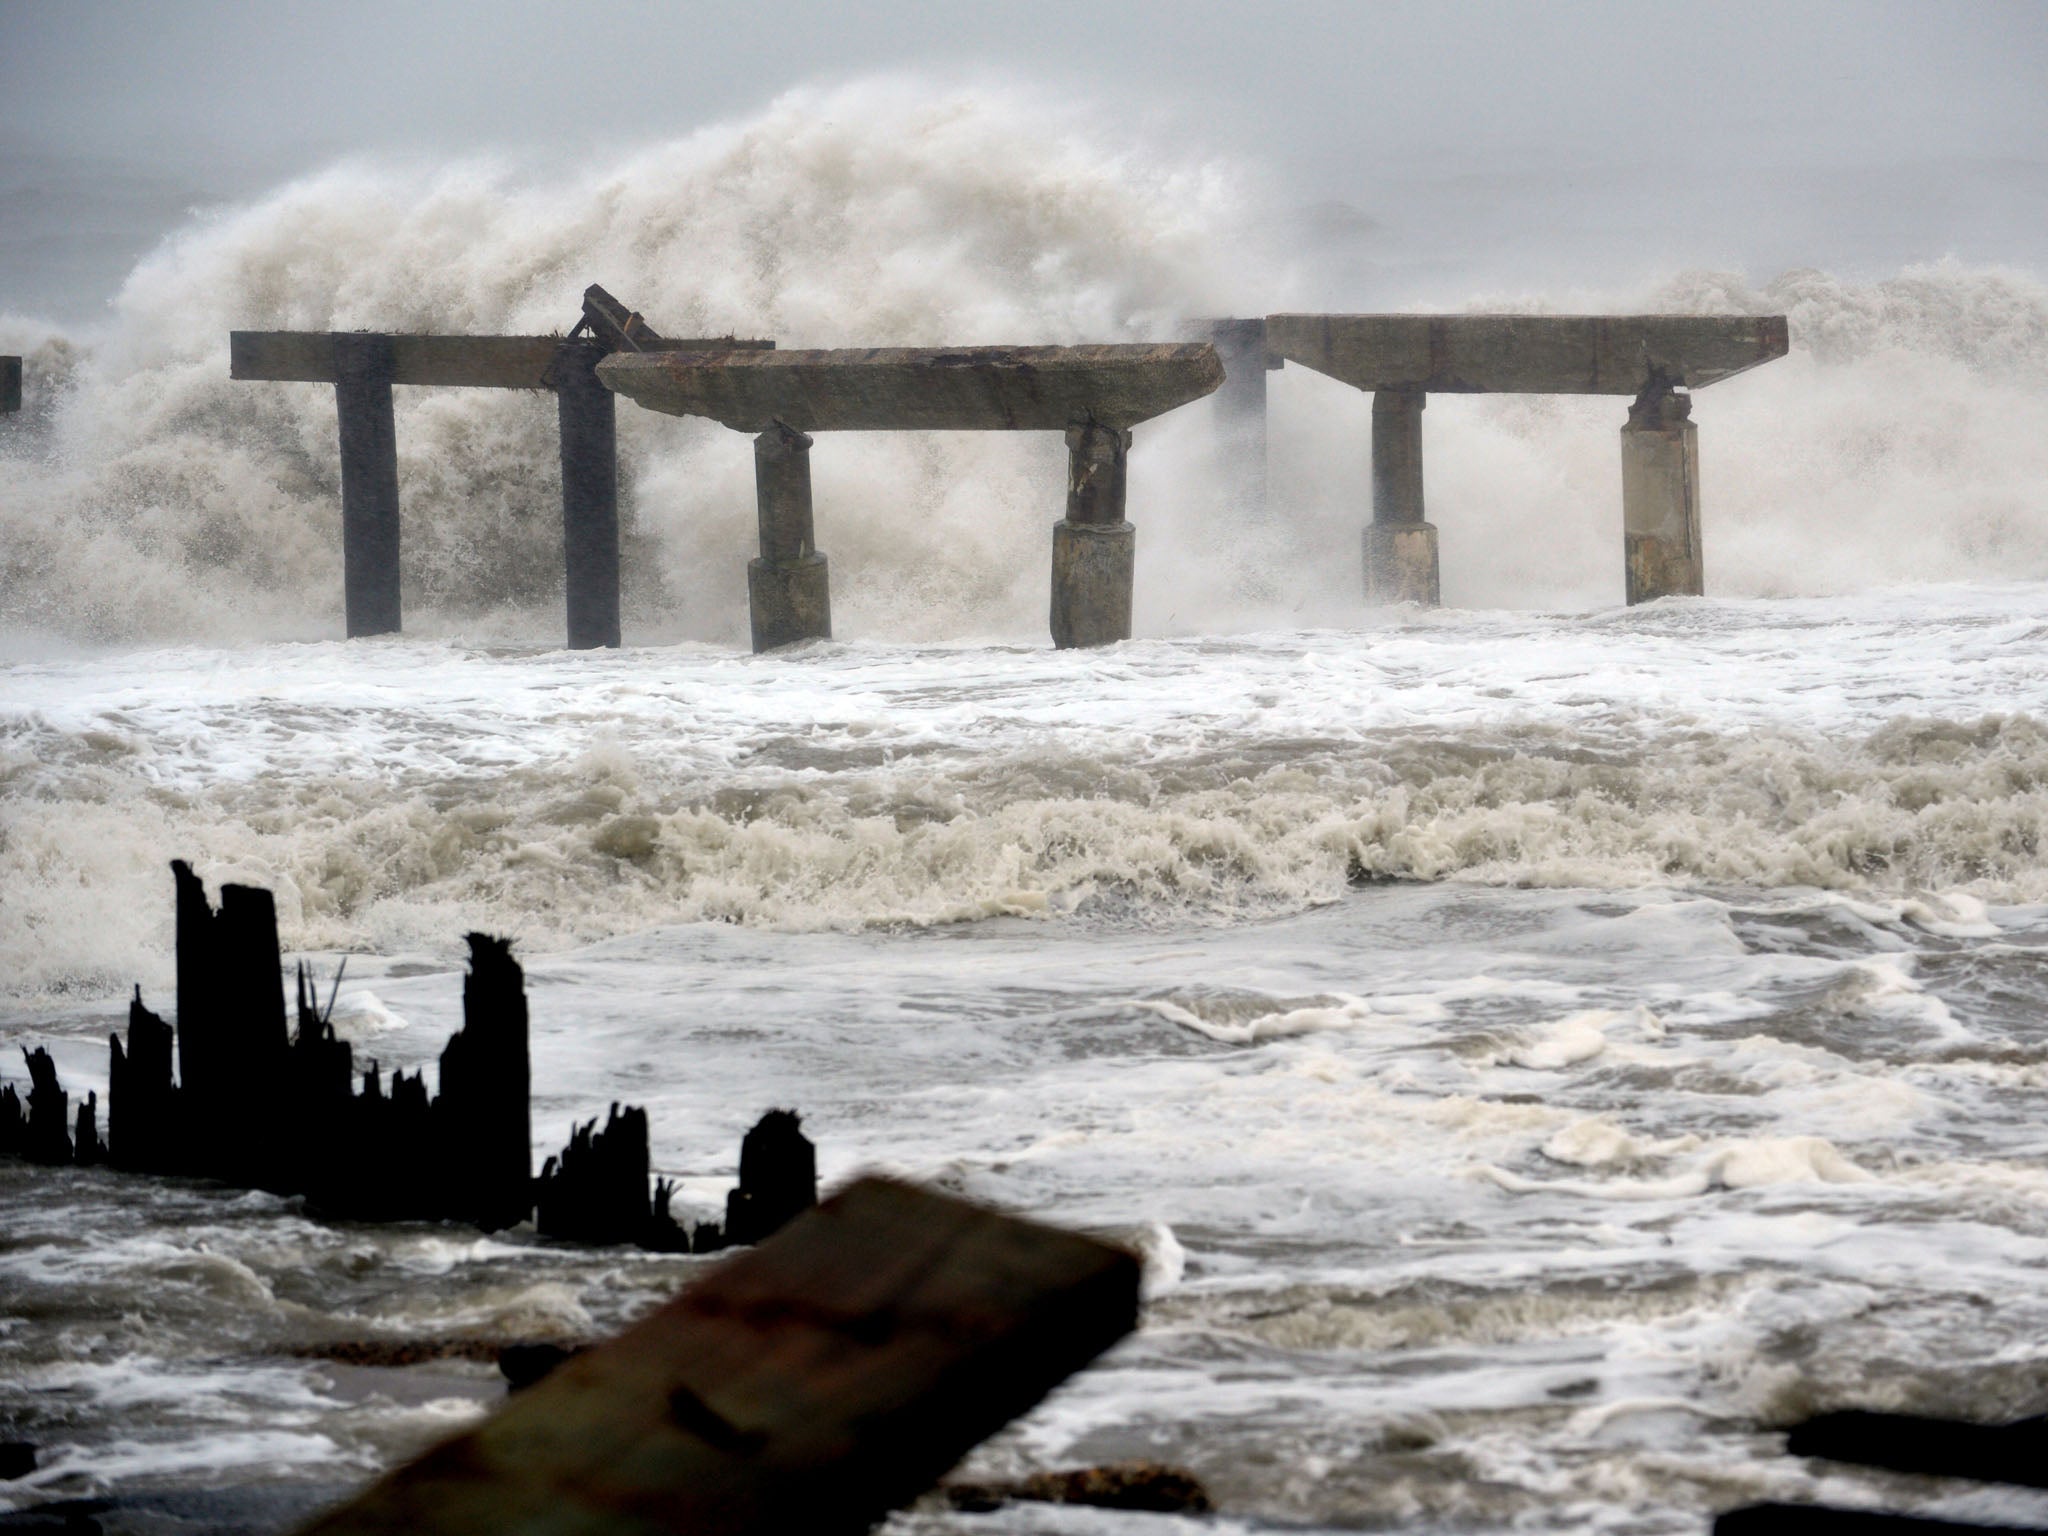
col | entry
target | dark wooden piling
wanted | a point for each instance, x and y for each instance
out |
(263, 1107)
(87, 1149)
(778, 1179)
(590, 494)
(142, 1139)
(10, 384)
(47, 1136)
(595, 1190)
(364, 365)
(809, 1385)
(482, 1118)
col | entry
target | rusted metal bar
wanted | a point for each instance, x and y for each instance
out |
(810, 1385)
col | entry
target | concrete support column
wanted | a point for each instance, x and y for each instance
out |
(1660, 497)
(1400, 547)
(1093, 548)
(369, 482)
(590, 495)
(1241, 412)
(787, 589)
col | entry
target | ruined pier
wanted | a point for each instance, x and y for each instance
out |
(364, 365)
(1403, 359)
(1093, 394)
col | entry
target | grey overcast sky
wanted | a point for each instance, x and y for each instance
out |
(1905, 129)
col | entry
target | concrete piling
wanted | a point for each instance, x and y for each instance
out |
(588, 414)
(363, 368)
(1400, 546)
(788, 589)
(1660, 496)
(1093, 548)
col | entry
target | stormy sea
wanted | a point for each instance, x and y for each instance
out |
(1540, 1047)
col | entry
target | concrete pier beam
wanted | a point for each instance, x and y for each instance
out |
(1527, 354)
(788, 591)
(919, 389)
(1400, 546)
(363, 370)
(1660, 497)
(1094, 394)
(1093, 549)
(588, 413)
(10, 384)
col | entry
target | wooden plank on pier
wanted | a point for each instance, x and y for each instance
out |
(10, 383)
(810, 1385)
(477, 362)
(1527, 354)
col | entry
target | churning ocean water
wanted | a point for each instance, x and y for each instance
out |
(1540, 1047)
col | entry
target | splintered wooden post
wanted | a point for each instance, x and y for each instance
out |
(789, 595)
(1400, 546)
(811, 1384)
(590, 495)
(778, 1179)
(484, 1120)
(363, 368)
(1093, 549)
(47, 1138)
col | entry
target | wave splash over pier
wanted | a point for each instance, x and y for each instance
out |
(1540, 1045)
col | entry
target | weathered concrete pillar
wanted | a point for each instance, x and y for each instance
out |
(1660, 496)
(1093, 548)
(590, 495)
(363, 367)
(1400, 547)
(788, 592)
(1241, 412)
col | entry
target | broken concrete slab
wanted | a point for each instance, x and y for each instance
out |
(1527, 354)
(936, 389)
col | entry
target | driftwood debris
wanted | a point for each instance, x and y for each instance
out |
(1135, 1485)
(2015, 1453)
(810, 1385)
(1825, 1520)
(1902, 1442)
(258, 1106)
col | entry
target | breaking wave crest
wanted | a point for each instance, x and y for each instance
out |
(616, 841)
